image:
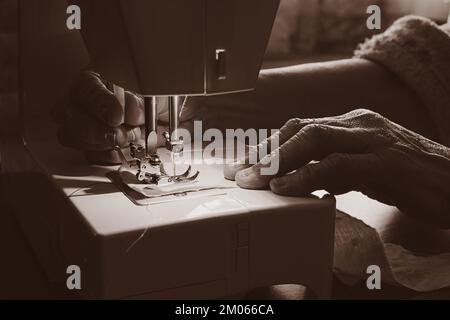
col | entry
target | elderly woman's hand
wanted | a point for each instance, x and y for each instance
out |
(360, 151)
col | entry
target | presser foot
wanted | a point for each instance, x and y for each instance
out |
(150, 169)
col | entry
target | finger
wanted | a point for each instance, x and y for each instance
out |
(93, 96)
(134, 110)
(96, 137)
(231, 169)
(291, 128)
(99, 138)
(315, 142)
(337, 174)
(111, 157)
(312, 142)
(83, 132)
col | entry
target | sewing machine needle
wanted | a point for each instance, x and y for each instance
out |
(151, 136)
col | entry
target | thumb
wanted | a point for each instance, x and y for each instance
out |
(337, 174)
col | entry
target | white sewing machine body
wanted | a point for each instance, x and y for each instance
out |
(206, 246)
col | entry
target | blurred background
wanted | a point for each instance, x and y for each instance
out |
(316, 30)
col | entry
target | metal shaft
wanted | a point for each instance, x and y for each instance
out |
(151, 125)
(173, 116)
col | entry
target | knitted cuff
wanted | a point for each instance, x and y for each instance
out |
(418, 52)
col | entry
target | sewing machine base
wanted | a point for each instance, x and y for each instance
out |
(247, 246)
(204, 247)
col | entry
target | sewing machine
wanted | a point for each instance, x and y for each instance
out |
(171, 49)
(205, 246)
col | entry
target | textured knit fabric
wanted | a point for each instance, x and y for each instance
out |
(418, 51)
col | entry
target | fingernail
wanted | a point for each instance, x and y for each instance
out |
(251, 179)
(245, 178)
(230, 170)
(247, 173)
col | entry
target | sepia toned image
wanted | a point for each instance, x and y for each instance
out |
(225, 150)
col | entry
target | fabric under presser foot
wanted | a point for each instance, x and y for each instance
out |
(146, 194)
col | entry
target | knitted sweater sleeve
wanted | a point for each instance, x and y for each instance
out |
(418, 51)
